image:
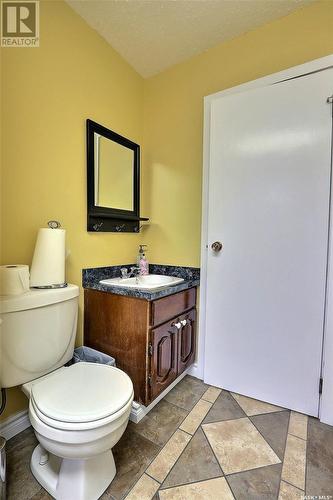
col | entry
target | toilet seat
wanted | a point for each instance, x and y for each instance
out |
(75, 456)
(82, 396)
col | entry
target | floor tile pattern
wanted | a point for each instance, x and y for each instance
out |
(168, 456)
(196, 463)
(187, 393)
(239, 446)
(196, 416)
(289, 492)
(208, 490)
(274, 428)
(132, 454)
(319, 469)
(260, 483)
(211, 394)
(204, 443)
(293, 471)
(224, 408)
(144, 489)
(160, 423)
(298, 425)
(254, 407)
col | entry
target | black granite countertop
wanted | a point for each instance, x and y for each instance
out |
(91, 279)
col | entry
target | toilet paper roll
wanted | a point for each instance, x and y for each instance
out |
(14, 279)
(48, 263)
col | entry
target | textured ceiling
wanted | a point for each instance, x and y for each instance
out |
(153, 35)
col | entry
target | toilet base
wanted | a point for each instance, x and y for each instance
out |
(65, 479)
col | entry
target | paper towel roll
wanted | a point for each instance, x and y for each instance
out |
(48, 263)
(14, 279)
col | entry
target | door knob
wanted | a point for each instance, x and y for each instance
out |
(216, 246)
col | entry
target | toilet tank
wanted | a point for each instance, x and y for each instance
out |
(37, 333)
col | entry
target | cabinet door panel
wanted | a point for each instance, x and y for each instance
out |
(164, 358)
(186, 341)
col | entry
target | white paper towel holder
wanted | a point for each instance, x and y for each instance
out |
(53, 224)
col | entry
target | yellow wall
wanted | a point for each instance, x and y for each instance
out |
(174, 120)
(48, 92)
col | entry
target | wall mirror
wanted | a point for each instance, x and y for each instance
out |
(113, 167)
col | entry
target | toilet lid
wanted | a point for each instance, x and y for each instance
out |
(83, 392)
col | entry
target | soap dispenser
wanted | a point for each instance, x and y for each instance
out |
(142, 261)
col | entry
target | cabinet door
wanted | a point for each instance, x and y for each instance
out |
(186, 340)
(164, 358)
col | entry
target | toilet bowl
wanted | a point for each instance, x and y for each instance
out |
(78, 414)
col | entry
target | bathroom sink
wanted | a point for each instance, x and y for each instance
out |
(148, 282)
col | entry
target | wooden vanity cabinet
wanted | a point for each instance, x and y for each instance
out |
(152, 341)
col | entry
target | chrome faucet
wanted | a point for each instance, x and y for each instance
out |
(134, 272)
(124, 272)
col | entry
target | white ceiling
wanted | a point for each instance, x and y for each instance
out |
(153, 35)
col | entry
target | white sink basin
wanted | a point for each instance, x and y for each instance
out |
(148, 282)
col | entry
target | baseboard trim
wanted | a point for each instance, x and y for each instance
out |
(139, 411)
(196, 371)
(15, 424)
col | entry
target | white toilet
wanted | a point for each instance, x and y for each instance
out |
(78, 412)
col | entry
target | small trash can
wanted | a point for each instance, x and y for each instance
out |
(2, 468)
(85, 353)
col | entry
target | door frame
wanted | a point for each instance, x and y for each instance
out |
(326, 400)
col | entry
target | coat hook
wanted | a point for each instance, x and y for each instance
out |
(97, 226)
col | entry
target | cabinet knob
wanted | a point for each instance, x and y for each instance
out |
(178, 325)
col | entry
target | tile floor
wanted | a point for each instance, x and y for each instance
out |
(201, 443)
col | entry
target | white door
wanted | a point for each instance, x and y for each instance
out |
(269, 187)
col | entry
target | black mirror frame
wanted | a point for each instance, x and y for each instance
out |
(105, 218)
